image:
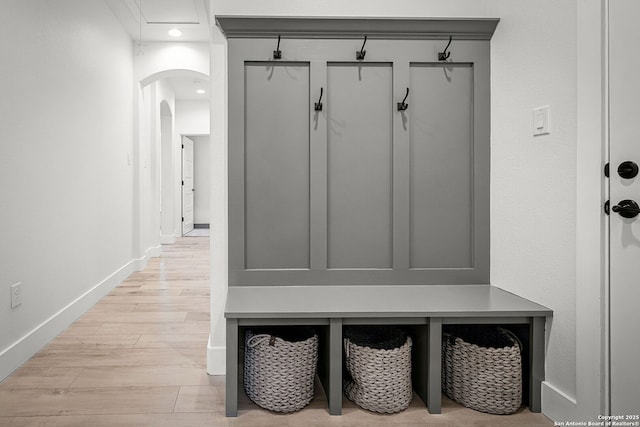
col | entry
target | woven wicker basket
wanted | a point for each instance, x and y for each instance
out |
(380, 377)
(279, 373)
(483, 371)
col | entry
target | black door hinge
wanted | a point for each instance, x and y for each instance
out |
(182, 219)
(182, 182)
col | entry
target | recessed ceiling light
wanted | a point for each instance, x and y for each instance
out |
(200, 91)
(174, 32)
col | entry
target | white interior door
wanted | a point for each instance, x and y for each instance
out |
(624, 122)
(187, 185)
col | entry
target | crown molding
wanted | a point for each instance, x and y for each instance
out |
(350, 27)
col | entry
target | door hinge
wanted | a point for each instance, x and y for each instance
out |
(183, 146)
(182, 182)
(182, 219)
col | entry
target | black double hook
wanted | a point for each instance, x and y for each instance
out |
(277, 54)
(443, 56)
(361, 53)
(317, 106)
(402, 106)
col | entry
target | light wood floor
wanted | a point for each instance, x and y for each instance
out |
(138, 358)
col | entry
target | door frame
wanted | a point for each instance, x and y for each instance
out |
(190, 136)
(615, 300)
(167, 181)
(182, 137)
(592, 285)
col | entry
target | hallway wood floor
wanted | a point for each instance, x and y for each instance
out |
(138, 358)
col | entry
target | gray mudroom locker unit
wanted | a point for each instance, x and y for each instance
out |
(359, 154)
(359, 190)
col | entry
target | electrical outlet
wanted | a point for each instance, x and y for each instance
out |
(16, 295)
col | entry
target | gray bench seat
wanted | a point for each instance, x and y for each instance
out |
(428, 307)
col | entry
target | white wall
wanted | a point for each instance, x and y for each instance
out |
(165, 108)
(218, 203)
(65, 176)
(145, 170)
(156, 61)
(533, 179)
(202, 178)
(533, 190)
(192, 117)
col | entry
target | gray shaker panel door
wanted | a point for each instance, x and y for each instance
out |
(276, 166)
(441, 166)
(360, 159)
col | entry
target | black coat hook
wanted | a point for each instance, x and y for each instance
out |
(402, 105)
(317, 106)
(277, 54)
(443, 56)
(360, 54)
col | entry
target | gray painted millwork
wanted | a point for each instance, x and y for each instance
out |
(360, 163)
(434, 366)
(441, 166)
(377, 301)
(354, 27)
(423, 309)
(276, 165)
(358, 193)
(362, 213)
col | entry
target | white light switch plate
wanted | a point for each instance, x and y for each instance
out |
(16, 295)
(541, 121)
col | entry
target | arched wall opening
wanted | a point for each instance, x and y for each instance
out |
(165, 114)
(152, 69)
(178, 72)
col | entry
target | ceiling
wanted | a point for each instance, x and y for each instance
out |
(185, 88)
(154, 18)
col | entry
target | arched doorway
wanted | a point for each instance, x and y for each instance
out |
(172, 105)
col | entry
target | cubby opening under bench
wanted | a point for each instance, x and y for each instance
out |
(422, 308)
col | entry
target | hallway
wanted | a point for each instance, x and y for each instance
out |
(138, 358)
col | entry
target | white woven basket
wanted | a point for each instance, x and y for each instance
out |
(380, 379)
(279, 374)
(486, 379)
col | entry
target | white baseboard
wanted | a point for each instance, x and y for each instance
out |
(556, 405)
(154, 251)
(216, 359)
(24, 348)
(167, 239)
(141, 263)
